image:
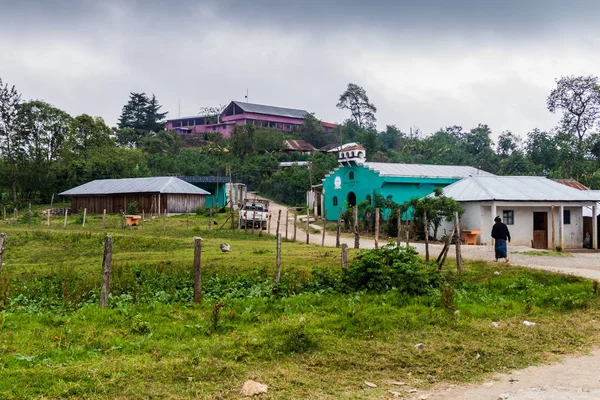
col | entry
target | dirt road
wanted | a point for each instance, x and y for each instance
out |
(574, 378)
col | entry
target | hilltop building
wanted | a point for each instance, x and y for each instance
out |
(241, 113)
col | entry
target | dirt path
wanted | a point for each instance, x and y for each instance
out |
(574, 378)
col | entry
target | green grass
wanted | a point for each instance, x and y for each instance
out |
(308, 337)
(545, 253)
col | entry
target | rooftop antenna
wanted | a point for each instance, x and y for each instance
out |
(246, 95)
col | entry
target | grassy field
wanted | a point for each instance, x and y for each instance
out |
(308, 337)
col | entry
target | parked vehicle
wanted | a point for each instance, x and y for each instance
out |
(254, 212)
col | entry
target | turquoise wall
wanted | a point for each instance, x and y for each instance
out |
(211, 187)
(339, 185)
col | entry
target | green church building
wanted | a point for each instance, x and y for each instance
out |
(355, 181)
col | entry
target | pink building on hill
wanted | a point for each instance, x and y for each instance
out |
(240, 113)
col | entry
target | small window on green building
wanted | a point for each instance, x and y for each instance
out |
(351, 175)
(335, 201)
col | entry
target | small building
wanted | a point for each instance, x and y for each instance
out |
(298, 146)
(355, 180)
(539, 212)
(216, 186)
(242, 113)
(153, 195)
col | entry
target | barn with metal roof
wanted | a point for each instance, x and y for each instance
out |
(153, 195)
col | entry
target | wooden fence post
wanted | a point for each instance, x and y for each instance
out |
(426, 226)
(278, 258)
(459, 268)
(269, 224)
(324, 216)
(165, 220)
(143, 218)
(2, 244)
(278, 222)
(122, 219)
(103, 218)
(553, 231)
(84, 216)
(355, 226)
(339, 229)
(307, 225)
(377, 228)
(50, 211)
(197, 270)
(210, 215)
(399, 226)
(295, 224)
(254, 217)
(106, 271)
(65, 223)
(187, 218)
(16, 214)
(5, 213)
(287, 216)
(344, 256)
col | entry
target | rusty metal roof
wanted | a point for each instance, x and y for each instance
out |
(158, 184)
(572, 183)
(298, 145)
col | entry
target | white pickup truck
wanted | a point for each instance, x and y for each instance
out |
(254, 212)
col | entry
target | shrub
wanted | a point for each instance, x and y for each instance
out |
(132, 208)
(203, 211)
(391, 267)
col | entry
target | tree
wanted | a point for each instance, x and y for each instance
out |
(438, 208)
(155, 120)
(578, 97)
(311, 131)
(88, 133)
(211, 114)
(10, 142)
(140, 116)
(242, 140)
(508, 143)
(356, 100)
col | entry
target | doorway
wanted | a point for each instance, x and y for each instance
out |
(351, 199)
(540, 230)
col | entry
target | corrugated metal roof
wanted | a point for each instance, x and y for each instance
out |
(271, 110)
(515, 188)
(204, 179)
(424, 170)
(159, 184)
(298, 145)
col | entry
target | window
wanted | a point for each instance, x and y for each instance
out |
(351, 175)
(508, 217)
(335, 201)
(177, 124)
(567, 217)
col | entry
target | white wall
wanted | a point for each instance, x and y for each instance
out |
(478, 216)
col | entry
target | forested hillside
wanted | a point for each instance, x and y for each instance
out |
(44, 150)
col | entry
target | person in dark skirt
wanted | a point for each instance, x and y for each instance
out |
(501, 235)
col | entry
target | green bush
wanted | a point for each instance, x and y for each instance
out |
(132, 208)
(391, 267)
(203, 211)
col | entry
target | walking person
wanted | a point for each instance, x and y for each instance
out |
(501, 234)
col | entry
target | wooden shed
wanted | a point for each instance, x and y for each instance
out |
(153, 195)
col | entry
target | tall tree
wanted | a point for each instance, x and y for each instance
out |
(507, 143)
(356, 100)
(578, 97)
(140, 116)
(10, 141)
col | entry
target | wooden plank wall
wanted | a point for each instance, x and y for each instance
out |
(181, 203)
(115, 203)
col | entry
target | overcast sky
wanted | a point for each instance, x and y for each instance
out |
(426, 64)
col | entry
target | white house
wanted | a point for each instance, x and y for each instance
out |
(539, 212)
